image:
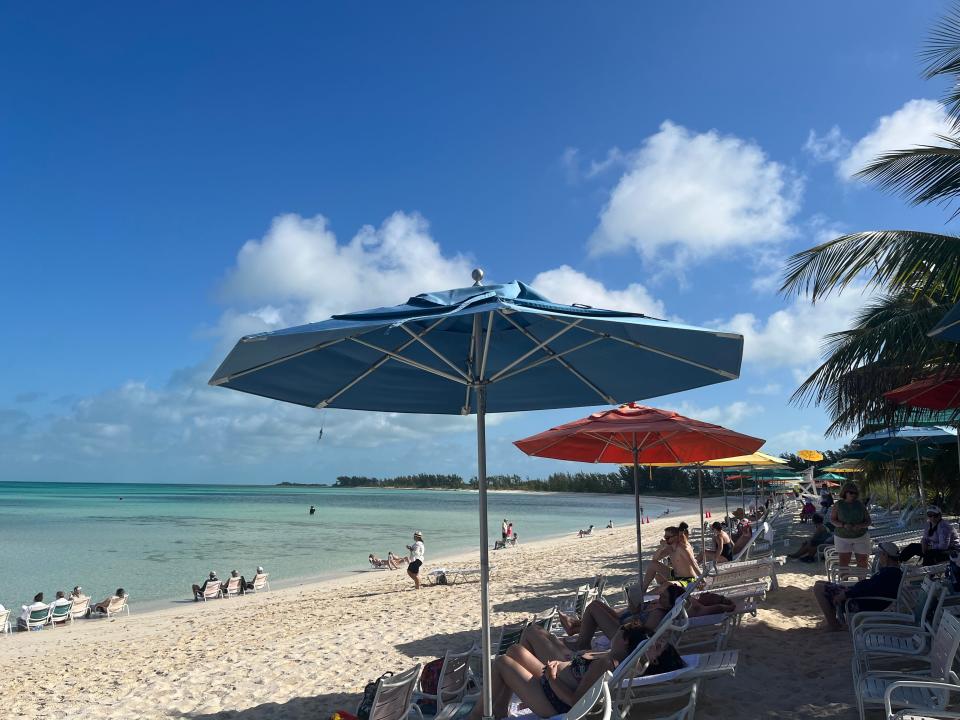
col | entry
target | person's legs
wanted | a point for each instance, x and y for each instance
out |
(655, 570)
(911, 551)
(416, 579)
(862, 560)
(541, 645)
(601, 617)
(530, 659)
(196, 593)
(843, 559)
(570, 623)
(934, 557)
(822, 593)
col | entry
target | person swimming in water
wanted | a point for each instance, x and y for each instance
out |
(312, 509)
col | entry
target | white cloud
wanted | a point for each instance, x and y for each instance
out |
(698, 194)
(829, 147)
(768, 389)
(726, 415)
(792, 336)
(802, 438)
(918, 122)
(566, 285)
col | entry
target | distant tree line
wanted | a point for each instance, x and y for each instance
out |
(659, 481)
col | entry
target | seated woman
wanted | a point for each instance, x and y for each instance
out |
(102, 606)
(676, 548)
(600, 616)
(551, 687)
(379, 564)
(723, 545)
(808, 548)
(395, 562)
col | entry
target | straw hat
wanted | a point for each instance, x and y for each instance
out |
(418, 535)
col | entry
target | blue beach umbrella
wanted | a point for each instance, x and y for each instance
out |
(949, 326)
(906, 436)
(494, 348)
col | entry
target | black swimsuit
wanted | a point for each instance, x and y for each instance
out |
(727, 551)
(578, 668)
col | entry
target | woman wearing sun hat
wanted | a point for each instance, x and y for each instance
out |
(851, 519)
(416, 558)
(936, 543)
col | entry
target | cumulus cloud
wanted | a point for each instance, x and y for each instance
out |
(566, 285)
(697, 194)
(727, 415)
(829, 147)
(793, 336)
(768, 389)
(918, 122)
(802, 438)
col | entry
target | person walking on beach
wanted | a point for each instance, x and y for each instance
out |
(416, 558)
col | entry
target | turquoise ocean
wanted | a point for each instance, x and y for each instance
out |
(156, 540)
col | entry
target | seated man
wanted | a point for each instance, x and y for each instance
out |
(808, 549)
(25, 610)
(198, 590)
(248, 584)
(676, 549)
(77, 594)
(226, 583)
(884, 584)
(105, 603)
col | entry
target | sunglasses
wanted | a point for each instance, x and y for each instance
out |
(669, 537)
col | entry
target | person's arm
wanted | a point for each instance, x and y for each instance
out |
(563, 692)
(835, 517)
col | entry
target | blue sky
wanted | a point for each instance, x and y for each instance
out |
(174, 177)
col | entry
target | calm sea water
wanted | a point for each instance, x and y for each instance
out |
(158, 539)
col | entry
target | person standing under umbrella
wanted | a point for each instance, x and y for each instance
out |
(416, 558)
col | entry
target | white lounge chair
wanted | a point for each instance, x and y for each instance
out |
(451, 576)
(925, 702)
(392, 699)
(260, 582)
(4, 621)
(453, 682)
(80, 608)
(233, 587)
(212, 591)
(116, 606)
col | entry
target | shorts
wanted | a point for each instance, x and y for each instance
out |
(682, 579)
(860, 546)
(414, 567)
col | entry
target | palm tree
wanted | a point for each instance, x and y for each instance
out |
(917, 274)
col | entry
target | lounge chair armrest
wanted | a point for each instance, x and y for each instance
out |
(927, 684)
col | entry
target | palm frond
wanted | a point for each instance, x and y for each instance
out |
(893, 259)
(942, 56)
(886, 347)
(924, 174)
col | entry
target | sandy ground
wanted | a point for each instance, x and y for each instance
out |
(305, 651)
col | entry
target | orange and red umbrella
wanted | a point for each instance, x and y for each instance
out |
(935, 393)
(639, 434)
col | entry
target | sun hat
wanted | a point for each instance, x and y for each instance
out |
(933, 510)
(418, 534)
(890, 549)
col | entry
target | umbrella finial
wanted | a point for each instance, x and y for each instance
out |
(477, 276)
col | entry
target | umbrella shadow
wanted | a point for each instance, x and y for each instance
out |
(318, 706)
(436, 645)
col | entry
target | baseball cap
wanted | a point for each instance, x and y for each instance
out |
(890, 549)
(933, 510)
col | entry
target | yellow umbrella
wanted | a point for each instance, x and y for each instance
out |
(810, 455)
(845, 466)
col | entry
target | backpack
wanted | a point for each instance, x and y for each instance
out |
(429, 682)
(442, 579)
(369, 692)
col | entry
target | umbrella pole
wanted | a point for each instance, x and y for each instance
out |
(481, 391)
(742, 503)
(703, 533)
(919, 472)
(958, 447)
(636, 507)
(726, 505)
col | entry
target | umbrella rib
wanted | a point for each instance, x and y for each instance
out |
(606, 397)
(541, 361)
(407, 361)
(544, 345)
(373, 368)
(430, 347)
(276, 361)
(641, 346)
(486, 345)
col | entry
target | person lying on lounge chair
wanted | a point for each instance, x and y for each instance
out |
(600, 616)
(808, 548)
(553, 686)
(396, 561)
(676, 548)
(588, 531)
(378, 563)
(102, 606)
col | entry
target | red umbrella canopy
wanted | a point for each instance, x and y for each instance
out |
(932, 393)
(658, 436)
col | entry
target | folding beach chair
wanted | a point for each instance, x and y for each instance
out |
(452, 684)
(260, 582)
(233, 587)
(35, 621)
(61, 614)
(4, 621)
(392, 697)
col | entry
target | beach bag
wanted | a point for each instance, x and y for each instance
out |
(369, 692)
(429, 682)
(442, 579)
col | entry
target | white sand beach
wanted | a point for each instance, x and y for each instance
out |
(303, 652)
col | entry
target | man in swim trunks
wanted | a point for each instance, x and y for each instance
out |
(676, 549)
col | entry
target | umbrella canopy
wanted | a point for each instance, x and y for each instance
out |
(888, 452)
(642, 435)
(931, 393)
(845, 466)
(829, 476)
(810, 455)
(650, 434)
(496, 348)
(757, 459)
(949, 326)
(932, 435)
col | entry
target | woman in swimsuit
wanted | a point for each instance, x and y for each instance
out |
(553, 687)
(683, 568)
(723, 544)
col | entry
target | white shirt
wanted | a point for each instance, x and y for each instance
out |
(416, 551)
(27, 609)
(60, 601)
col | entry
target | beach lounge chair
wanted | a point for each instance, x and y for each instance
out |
(870, 682)
(61, 614)
(116, 606)
(392, 698)
(36, 620)
(212, 591)
(453, 682)
(80, 608)
(260, 582)
(4, 621)
(233, 587)
(925, 704)
(911, 638)
(909, 595)
(509, 636)
(451, 576)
